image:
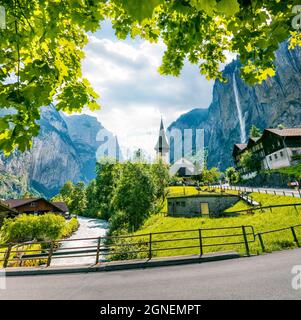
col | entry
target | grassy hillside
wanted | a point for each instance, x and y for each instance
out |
(261, 221)
(293, 170)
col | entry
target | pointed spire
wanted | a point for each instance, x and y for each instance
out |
(162, 145)
(161, 124)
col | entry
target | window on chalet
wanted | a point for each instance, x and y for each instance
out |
(276, 156)
(270, 157)
(33, 204)
(281, 154)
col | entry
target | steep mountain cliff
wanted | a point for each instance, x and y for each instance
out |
(83, 130)
(236, 106)
(65, 149)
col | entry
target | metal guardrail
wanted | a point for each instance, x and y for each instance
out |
(127, 246)
(292, 228)
(292, 193)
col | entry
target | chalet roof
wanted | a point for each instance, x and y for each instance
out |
(61, 205)
(5, 208)
(241, 146)
(252, 141)
(15, 203)
(286, 132)
(183, 163)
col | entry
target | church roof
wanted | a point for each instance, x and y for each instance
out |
(183, 163)
(162, 142)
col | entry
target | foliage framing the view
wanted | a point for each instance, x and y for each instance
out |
(40, 61)
(204, 30)
(41, 47)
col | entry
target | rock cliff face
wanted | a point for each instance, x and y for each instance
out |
(276, 101)
(64, 150)
(83, 131)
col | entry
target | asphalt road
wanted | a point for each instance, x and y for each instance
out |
(258, 277)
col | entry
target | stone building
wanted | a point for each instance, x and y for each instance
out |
(204, 205)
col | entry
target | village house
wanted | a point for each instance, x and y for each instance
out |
(6, 212)
(35, 206)
(276, 148)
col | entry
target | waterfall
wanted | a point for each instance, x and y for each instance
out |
(242, 123)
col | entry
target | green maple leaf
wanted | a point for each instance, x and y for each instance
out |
(204, 5)
(140, 9)
(3, 124)
(228, 7)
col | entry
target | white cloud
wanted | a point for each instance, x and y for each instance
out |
(133, 93)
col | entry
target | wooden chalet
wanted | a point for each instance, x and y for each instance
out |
(6, 212)
(36, 206)
(276, 148)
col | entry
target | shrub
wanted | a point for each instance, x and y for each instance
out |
(69, 228)
(296, 157)
(46, 227)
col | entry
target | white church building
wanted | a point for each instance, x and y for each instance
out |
(181, 167)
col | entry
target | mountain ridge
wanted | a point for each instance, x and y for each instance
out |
(59, 153)
(276, 101)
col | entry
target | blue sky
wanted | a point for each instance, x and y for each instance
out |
(133, 94)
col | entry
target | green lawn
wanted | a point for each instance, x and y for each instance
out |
(261, 221)
(292, 170)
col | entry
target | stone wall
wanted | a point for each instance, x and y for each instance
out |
(270, 180)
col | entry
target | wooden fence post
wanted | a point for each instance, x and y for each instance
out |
(50, 254)
(98, 250)
(246, 240)
(6, 257)
(201, 242)
(295, 236)
(150, 247)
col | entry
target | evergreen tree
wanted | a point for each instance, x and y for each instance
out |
(255, 132)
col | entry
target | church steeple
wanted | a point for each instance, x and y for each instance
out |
(162, 146)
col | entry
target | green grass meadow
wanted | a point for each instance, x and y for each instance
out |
(267, 219)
